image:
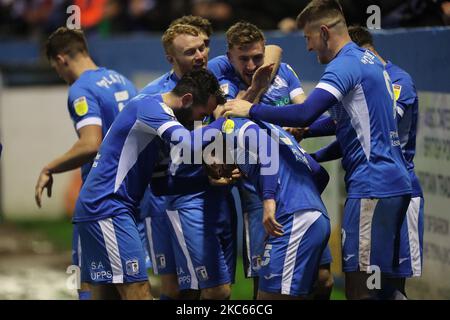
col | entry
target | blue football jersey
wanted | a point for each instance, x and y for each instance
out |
(124, 164)
(284, 87)
(220, 66)
(96, 98)
(296, 189)
(366, 124)
(152, 205)
(163, 84)
(407, 104)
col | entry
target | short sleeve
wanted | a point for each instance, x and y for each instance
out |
(220, 66)
(340, 77)
(405, 94)
(229, 88)
(295, 86)
(83, 107)
(157, 116)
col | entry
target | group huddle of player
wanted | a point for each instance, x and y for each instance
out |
(241, 115)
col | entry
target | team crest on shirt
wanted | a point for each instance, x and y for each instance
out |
(132, 267)
(161, 261)
(81, 106)
(202, 274)
(228, 126)
(397, 90)
(225, 89)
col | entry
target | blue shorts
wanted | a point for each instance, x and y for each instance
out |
(411, 241)
(255, 235)
(76, 247)
(290, 263)
(160, 244)
(112, 251)
(143, 234)
(200, 259)
(371, 233)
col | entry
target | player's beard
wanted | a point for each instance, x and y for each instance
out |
(185, 117)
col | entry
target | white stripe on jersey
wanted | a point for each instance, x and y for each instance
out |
(301, 222)
(89, 121)
(367, 209)
(400, 111)
(79, 250)
(296, 92)
(167, 125)
(247, 243)
(174, 218)
(241, 140)
(148, 229)
(412, 216)
(328, 87)
(356, 106)
(112, 248)
(138, 138)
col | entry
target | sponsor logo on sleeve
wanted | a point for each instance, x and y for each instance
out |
(81, 106)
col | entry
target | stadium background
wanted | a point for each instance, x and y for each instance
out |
(35, 127)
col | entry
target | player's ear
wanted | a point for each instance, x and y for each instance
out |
(170, 59)
(187, 99)
(61, 60)
(324, 32)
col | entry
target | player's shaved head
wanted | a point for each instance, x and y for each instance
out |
(321, 12)
(176, 30)
(201, 23)
(66, 41)
(242, 34)
(361, 36)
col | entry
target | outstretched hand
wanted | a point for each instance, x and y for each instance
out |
(45, 180)
(262, 76)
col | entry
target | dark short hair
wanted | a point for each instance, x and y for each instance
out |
(361, 36)
(202, 84)
(65, 41)
(203, 24)
(243, 33)
(317, 10)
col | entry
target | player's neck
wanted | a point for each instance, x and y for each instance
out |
(81, 65)
(376, 53)
(172, 100)
(339, 43)
(177, 71)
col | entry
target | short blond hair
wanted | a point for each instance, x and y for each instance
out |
(319, 11)
(243, 33)
(176, 30)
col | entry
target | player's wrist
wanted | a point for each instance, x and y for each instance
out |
(47, 170)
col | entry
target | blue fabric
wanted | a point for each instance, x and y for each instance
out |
(328, 153)
(324, 126)
(104, 93)
(84, 295)
(127, 262)
(378, 222)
